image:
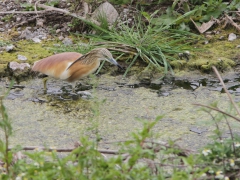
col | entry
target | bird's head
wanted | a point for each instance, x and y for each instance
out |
(104, 54)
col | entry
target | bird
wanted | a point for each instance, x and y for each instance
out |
(72, 66)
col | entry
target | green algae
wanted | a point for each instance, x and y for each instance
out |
(219, 53)
(33, 51)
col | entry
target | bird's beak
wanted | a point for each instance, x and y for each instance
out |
(113, 61)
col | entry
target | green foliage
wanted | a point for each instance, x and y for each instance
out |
(27, 6)
(199, 10)
(7, 18)
(53, 3)
(3, 43)
(149, 43)
(121, 2)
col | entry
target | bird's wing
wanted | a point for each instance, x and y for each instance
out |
(79, 70)
(56, 65)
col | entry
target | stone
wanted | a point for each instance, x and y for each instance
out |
(18, 71)
(67, 41)
(9, 48)
(21, 57)
(36, 40)
(232, 37)
(58, 31)
(26, 34)
(2, 30)
(40, 22)
(60, 38)
(15, 65)
(18, 19)
(105, 10)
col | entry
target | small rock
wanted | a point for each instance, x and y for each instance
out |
(67, 41)
(21, 57)
(84, 93)
(125, 10)
(26, 34)
(14, 66)
(19, 29)
(2, 30)
(232, 37)
(36, 40)
(221, 38)
(18, 71)
(238, 46)
(7, 25)
(60, 38)
(40, 22)
(58, 31)
(9, 48)
(18, 19)
(56, 26)
(208, 32)
(206, 42)
(109, 12)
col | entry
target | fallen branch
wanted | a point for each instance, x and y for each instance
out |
(84, 19)
(218, 110)
(232, 22)
(226, 91)
(32, 148)
(24, 12)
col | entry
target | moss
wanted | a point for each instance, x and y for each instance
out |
(219, 53)
(205, 65)
(179, 64)
(33, 52)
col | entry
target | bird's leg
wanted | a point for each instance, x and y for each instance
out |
(45, 84)
(73, 86)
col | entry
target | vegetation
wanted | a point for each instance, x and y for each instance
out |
(157, 39)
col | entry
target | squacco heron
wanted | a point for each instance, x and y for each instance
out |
(72, 66)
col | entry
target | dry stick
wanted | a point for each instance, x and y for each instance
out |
(31, 148)
(226, 91)
(25, 12)
(232, 22)
(68, 13)
(231, 133)
(216, 109)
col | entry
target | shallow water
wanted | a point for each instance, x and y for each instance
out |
(59, 117)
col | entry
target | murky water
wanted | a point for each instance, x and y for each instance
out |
(114, 109)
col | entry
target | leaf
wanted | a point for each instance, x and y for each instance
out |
(146, 15)
(205, 26)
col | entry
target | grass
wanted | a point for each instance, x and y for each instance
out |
(140, 41)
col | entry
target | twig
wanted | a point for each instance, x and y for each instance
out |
(232, 22)
(68, 13)
(231, 133)
(226, 91)
(31, 148)
(25, 12)
(216, 109)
